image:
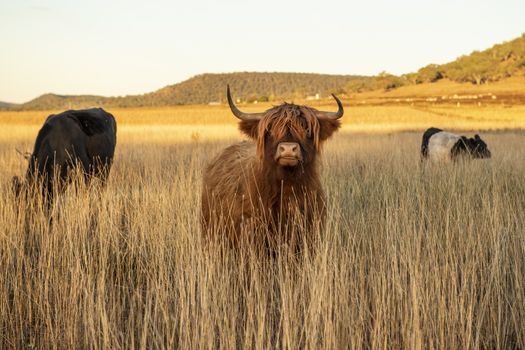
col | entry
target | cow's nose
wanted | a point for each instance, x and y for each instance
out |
(288, 154)
(289, 149)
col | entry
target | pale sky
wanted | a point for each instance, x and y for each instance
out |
(113, 47)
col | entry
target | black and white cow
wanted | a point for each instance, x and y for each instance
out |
(442, 145)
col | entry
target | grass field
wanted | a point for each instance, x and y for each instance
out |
(412, 256)
(507, 92)
(211, 123)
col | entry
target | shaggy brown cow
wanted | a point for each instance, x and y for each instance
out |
(269, 189)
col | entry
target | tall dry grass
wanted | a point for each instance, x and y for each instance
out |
(412, 256)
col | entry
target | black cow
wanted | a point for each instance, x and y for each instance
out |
(84, 138)
(441, 145)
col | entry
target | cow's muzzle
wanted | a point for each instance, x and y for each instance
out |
(288, 154)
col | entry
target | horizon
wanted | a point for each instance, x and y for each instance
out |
(135, 48)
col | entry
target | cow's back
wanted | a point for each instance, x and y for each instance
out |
(440, 145)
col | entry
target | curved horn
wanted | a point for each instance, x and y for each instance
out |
(236, 112)
(332, 115)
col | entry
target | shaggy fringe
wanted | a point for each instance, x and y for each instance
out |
(285, 118)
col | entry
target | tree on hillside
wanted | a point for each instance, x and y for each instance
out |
(429, 74)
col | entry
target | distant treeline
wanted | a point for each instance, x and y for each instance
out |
(499, 62)
(211, 88)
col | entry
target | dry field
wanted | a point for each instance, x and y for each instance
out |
(508, 92)
(413, 256)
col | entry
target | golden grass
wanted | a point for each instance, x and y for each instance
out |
(412, 256)
(212, 123)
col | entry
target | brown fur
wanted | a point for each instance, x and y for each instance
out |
(246, 194)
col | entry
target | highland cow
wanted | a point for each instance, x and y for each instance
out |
(269, 186)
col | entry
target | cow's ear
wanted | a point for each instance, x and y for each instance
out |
(249, 128)
(328, 127)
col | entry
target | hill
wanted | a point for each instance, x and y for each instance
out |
(500, 62)
(210, 88)
(248, 86)
(6, 105)
(53, 101)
